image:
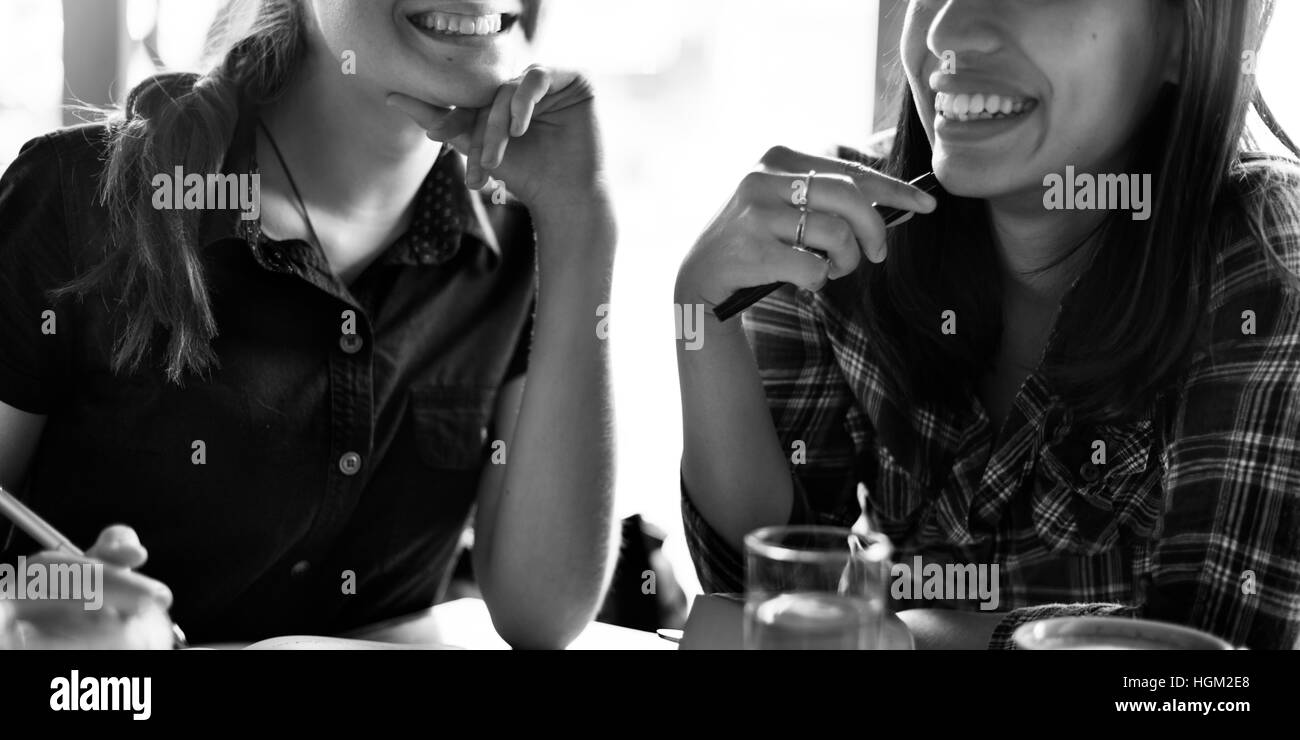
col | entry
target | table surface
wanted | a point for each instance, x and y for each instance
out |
(463, 624)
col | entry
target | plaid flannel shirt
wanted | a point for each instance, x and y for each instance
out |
(1193, 518)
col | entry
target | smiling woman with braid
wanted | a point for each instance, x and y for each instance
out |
(298, 413)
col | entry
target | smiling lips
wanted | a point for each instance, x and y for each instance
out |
(455, 24)
(981, 106)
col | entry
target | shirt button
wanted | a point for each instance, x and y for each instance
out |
(1090, 472)
(351, 343)
(300, 569)
(350, 463)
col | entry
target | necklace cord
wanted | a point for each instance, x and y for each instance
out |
(311, 229)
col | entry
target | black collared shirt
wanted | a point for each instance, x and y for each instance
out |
(337, 471)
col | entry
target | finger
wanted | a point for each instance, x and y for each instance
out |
(459, 128)
(877, 187)
(462, 143)
(475, 176)
(824, 232)
(427, 115)
(534, 86)
(778, 262)
(565, 90)
(120, 588)
(443, 124)
(149, 630)
(119, 545)
(497, 131)
(834, 194)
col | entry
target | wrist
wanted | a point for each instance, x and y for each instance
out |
(695, 316)
(690, 288)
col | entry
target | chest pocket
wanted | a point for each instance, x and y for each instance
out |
(452, 424)
(1095, 484)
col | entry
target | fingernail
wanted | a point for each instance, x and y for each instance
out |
(929, 201)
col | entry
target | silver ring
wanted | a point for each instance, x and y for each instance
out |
(799, 234)
(810, 251)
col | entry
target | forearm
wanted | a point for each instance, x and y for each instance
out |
(944, 629)
(732, 461)
(551, 548)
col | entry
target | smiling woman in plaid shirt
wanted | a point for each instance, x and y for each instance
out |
(1103, 402)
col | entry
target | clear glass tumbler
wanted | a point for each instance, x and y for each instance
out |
(815, 588)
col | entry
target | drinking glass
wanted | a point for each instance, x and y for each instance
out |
(815, 588)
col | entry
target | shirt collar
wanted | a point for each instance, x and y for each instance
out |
(447, 215)
(446, 212)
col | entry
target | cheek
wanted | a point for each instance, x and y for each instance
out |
(1100, 93)
(914, 54)
(360, 27)
(912, 47)
(337, 19)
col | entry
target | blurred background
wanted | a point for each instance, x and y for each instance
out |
(689, 102)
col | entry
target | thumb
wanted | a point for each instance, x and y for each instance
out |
(442, 124)
(567, 90)
(119, 545)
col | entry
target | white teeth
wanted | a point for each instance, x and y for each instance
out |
(979, 106)
(453, 24)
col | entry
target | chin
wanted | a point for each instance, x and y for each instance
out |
(974, 177)
(475, 88)
(962, 180)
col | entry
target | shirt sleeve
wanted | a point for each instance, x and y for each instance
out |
(1225, 558)
(34, 259)
(809, 401)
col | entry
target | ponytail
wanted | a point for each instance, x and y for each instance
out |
(153, 267)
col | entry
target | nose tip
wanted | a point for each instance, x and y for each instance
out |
(962, 30)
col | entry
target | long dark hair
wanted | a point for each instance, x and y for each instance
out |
(1132, 320)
